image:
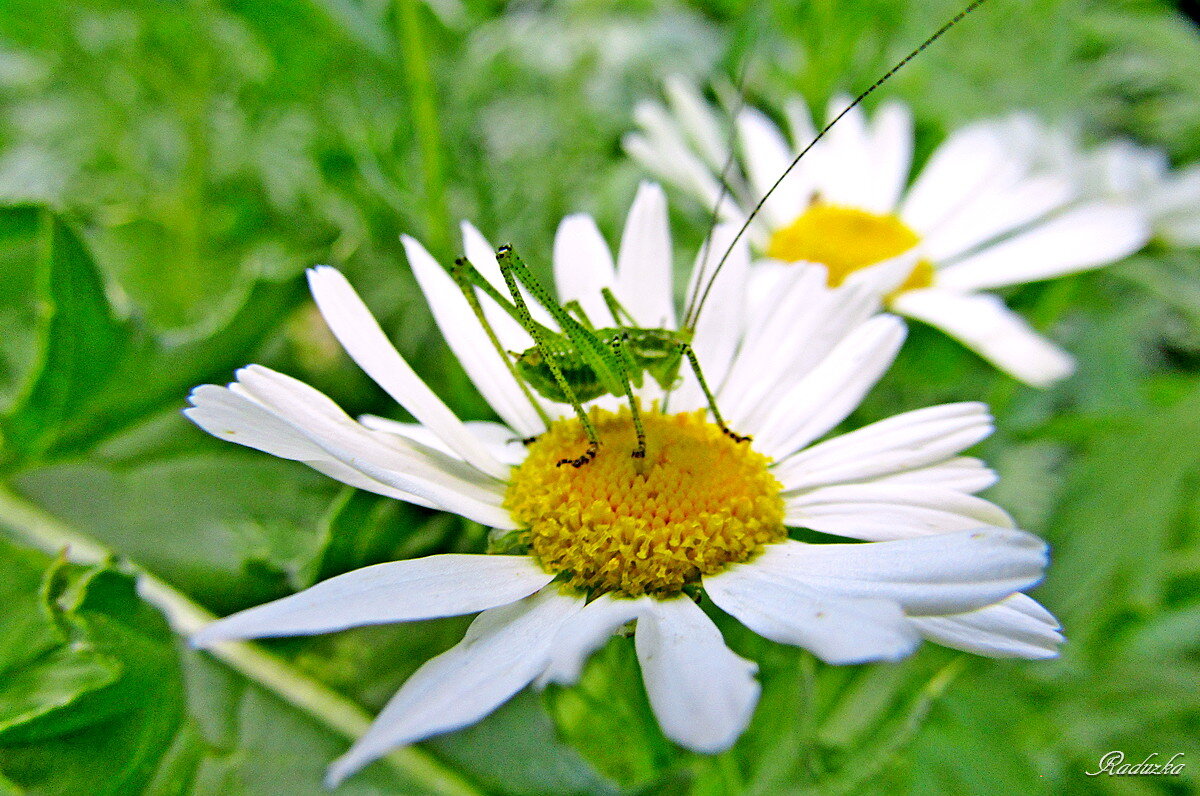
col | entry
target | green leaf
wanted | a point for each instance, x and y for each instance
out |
(515, 750)
(231, 736)
(29, 628)
(48, 683)
(123, 727)
(1119, 512)
(361, 529)
(240, 738)
(39, 671)
(103, 705)
(19, 306)
(95, 374)
(159, 371)
(232, 527)
(80, 340)
(609, 702)
(201, 149)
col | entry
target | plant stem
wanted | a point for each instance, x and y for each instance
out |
(425, 122)
(49, 534)
(731, 775)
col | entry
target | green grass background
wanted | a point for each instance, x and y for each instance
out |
(170, 167)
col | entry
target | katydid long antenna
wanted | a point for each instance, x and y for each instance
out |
(724, 190)
(694, 308)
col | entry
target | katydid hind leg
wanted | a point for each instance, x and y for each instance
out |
(461, 275)
(547, 348)
(582, 341)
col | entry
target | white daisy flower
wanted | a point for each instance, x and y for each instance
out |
(591, 549)
(1124, 171)
(979, 214)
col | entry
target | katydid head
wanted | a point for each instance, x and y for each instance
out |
(658, 352)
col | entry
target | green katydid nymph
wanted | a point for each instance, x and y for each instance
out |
(580, 361)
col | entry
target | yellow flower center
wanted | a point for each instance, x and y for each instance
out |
(845, 240)
(697, 503)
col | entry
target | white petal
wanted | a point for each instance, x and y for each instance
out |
(448, 483)
(644, 269)
(910, 440)
(990, 329)
(1016, 628)
(967, 161)
(836, 629)
(795, 294)
(961, 474)
(718, 330)
(1122, 168)
(675, 156)
(504, 649)
(941, 574)
(1181, 231)
(767, 155)
(697, 119)
(1174, 205)
(833, 389)
(467, 339)
(502, 441)
(587, 633)
(482, 255)
(229, 415)
(1178, 192)
(398, 591)
(1079, 239)
(892, 145)
(790, 338)
(764, 281)
(884, 277)
(232, 416)
(799, 122)
(991, 214)
(670, 159)
(883, 511)
(315, 415)
(849, 174)
(583, 266)
(702, 693)
(359, 333)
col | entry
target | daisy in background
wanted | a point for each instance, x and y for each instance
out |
(592, 549)
(979, 214)
(1141, 176)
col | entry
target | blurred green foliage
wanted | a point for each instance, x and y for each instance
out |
(170, 168)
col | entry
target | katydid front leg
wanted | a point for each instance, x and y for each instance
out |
(686, 348)
(622, 357)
